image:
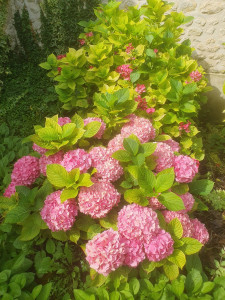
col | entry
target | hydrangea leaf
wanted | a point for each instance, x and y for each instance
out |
(171, 270)
(148, 148)
(178, 258)
(74, 234)
(191, 246)
(131, 146)
(58, 176)
(175, 228)
(171, 201)
(146, 179)
(201, 187)
(122, 155)
(135, 196)
(91, 129)
(164, 180)
(68, 194)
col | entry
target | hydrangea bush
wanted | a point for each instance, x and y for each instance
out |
(137, 49)
(128, 198)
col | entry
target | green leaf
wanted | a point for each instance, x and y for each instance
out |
(146, 179)
(122, 155)
(91, 129)
(171, 201)
(164, 180)
(178, 258)
(78, 121)
(171, 270)
(191, 246)
(110, 221)
(74, 175)
(82, 295)
(207, 287)
(180, 189)
(45, 292)
(190, 88)
(36, 291)
(135, 196)
(7, 203)
(58, 176)
(84, 222)
(59, 235)
(178, 286)
(31, 227)
(68, 129)
(148, 148)
(149, 38)
(139, 160)
(131, 146)
(201, 187)
(151, 53)
(48, 134)
(85, 180)
(134, 76)
(97, 279)
(134, 286)
(194, 281)
(93, 230)
(17, 214)
(122, 95)
(68, 194)
(50, 246)
(74, 235)
(115, 295)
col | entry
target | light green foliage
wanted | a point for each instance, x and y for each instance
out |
(219, 269)
(217, 199)
(55, 137)
(164, 73)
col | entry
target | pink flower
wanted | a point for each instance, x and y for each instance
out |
(102, 128)
(82, 42)
(61, 56)
(185, 168)
(164, 157)
(183, 218)
(173, 145)
(38, 149)
(57, 215)
(124, 71)
(48, 160)
(78, 158)
(63, 121)
(89, 34)
(140, 127)
(189, 201)
(199, 231)
(159, 246)
(129, 48)
(10, 190)
(137, 222)
(142, 104)
(150, 110)
(107, 167)
(98, 199)
(25, 171)
(115, 144)
(156, 50)
(185, 126)
(91, 67)
(155, 204)
(105, 252)
(134, 252)
(196, 75)
(140, 88)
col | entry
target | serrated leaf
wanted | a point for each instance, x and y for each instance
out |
(58, 176)
(68, 194)
(146, 179)
(134, 76)
(74, 175)
(175, 228)
(131, 146)
(178, 286)
(122, 155)
(68, 129)
(136, 196)
(74, 235)
(134, 286)
(148, 148)
(180, 189)
(171, 201)
(78, 121)
(110, 221)
(178, 258)
(201, 187)
(164, 180)
(31, 227)
(85, 180)
(84, 222)
(193, 281)
(191, 246)
(91, 129)
(171, 270)
(17, 214)
(48, 134)
(207, 287)
(59, 235)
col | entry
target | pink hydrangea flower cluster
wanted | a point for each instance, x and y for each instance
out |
(115, 144)
(78, 158)
(25, 171)
(102, 128)
(134, 252)
(105, 252)
(173, 145)
(142, 104)
(185, 168)
(140, 88)
(125, 71)
(10, 190)
(150, 110)
(188, 201)
(89, 34)
(185, 126)
(191, 227)
(39, 149)
(160, 246)
(57, 215)
(59, 57)
(48, 160)
(63, 121)
(155, 204)
(196, 75)
(129, 48)
(164, 157)
(107, 167)
(98, 199)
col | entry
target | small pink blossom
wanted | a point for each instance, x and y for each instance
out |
(185, 168)
(82, 42)
(124, 71)
(185, 126)
(59, 57)
(89, 34)
(25, 171)
(140, 88)
(142, 104)
(48, 160)
(105, 252)
(164, 157)
(196, 75)
(150, 110)
(199, 231)
(78, 158)
(137, 222)
(63, 121)
(155, 204)
(98, 199)
(39, 149)
(91, 67)
(183, 218)
(102, 128)
(159, 246)
(57, 215)
(129, 48)
(134, 252)
(116, 144)
(10, 190)
(156, 50)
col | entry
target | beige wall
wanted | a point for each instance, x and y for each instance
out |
(206, 32)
